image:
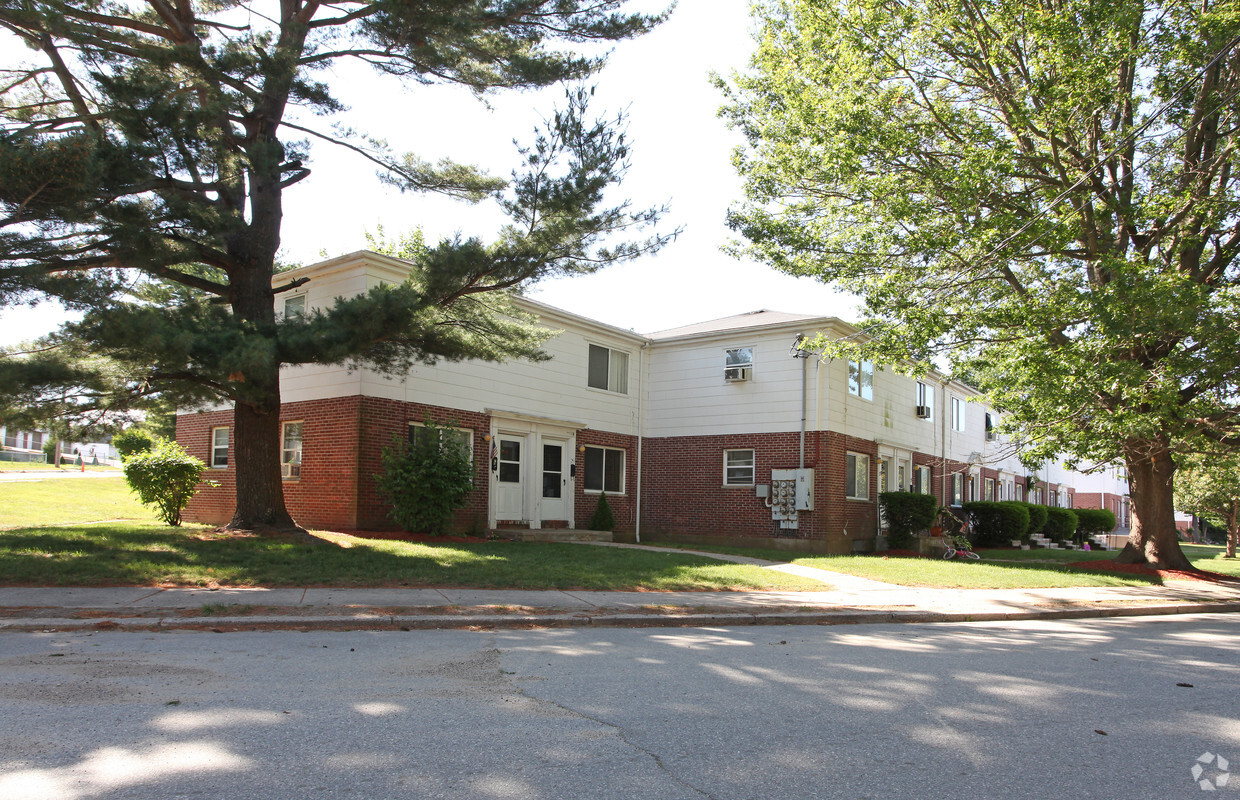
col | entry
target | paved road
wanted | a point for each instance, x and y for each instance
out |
(1063, 709)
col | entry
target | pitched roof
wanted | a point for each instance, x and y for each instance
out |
(754, 319)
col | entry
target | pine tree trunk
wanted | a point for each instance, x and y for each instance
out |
(260, 487)
(1153, 539)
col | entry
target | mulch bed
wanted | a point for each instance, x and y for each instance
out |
(1165, 574)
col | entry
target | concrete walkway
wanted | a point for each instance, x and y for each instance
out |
(844, 599)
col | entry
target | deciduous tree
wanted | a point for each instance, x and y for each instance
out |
(1042, 194)
(1208, 485)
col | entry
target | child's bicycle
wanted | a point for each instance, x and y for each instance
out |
(953, 535)
(959, 546)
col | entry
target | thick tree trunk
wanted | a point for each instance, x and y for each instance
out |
(260, 487)
(1153, 539)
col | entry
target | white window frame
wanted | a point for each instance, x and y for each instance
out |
(861, 379)
(466, 436)
(585, 479)
(988, 490)
(290, 457)
(923, 479)
(617, 369)
(736, 472)
(958, 416)
(216, 448)
(299, 303)
(957, 489)
(1018, 492)
(737, 367)
(925, 397)
(857, 472)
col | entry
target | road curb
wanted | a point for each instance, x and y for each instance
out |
(378, 622)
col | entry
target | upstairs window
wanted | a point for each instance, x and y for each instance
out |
(608, 369)
(861, 379)
(957, 414)
(925, 401)
(738, 364)
(991, 423)
(295, 306)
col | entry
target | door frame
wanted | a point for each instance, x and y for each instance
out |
(532, 430)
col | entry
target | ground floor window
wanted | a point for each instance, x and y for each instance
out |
(290, 451)
(957, 489)
(604, 470)
(857, 476)
(738, 467)
(460, 438)
(219, 448)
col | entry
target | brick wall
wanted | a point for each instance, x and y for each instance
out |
(623, 507)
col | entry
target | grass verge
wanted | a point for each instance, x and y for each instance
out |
(62, 501)
(998, 569)
(149, 554)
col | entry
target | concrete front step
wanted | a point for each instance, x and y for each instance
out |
(555, 535)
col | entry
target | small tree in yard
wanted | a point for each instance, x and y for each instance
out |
(602, 519)
(1209, 486)
(906, 513)
(134, 440)
(426, 479)
(165, 477)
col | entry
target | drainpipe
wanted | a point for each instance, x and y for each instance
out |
(804, 379)
(641, 431)
(943, 445)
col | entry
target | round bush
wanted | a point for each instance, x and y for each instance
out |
(906, 514)
(1060, 524)
(996, 523)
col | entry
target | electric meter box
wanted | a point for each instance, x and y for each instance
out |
(800, 482)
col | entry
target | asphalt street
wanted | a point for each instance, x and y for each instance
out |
(1114, 708)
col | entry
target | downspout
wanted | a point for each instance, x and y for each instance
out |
(804, 389)
(943, 446)
(641, 430)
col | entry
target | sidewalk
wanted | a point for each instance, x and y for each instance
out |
(845, 599)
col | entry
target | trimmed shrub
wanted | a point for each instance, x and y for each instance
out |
(1092, 522)
(1037, 518)
(134, 440)
(165, 477)
(425, 480)
(996, 523)
(602, 519)
(1060, 524)
(906, 514)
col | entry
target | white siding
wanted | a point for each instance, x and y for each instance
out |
(688, 395)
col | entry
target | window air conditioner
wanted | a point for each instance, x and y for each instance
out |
(290, 470)
(923, 411)
(734, 374)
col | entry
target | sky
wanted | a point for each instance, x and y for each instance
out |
(680, 155)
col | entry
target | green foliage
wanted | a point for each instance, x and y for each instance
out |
(426, 479)
(987, 178)
(1037, 518)
(602, 519)
(134, 440)
(1060, 524)
(994, 524)
(165, 478)
(906, 514)
(159, 143)
(1092, 522)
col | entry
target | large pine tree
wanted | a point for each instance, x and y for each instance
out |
(147, 148)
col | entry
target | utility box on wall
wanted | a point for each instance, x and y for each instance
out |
(792, 490)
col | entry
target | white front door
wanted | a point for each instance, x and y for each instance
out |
(555, 489)
(510, 479)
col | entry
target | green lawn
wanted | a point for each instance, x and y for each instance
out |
(68, 500)
(58, 549)
(998, 569)
(39, 466)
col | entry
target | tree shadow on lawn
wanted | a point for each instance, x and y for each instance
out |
(142, 554)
